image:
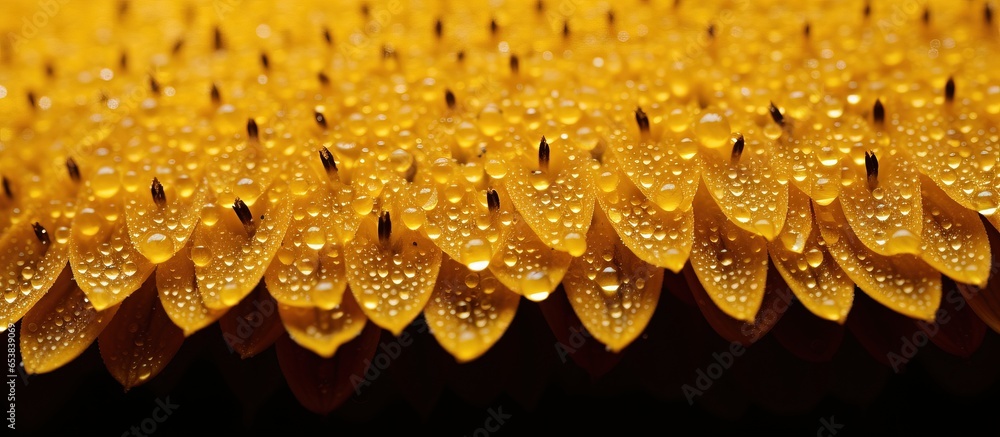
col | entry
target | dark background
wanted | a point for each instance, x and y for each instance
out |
(781, 385)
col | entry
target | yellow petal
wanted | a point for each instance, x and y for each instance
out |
(469, 311)
(391, 281)
(462, 225)
(888, 219)
(60, 327)
(656, 236)
(730, 262)
(612, 291)
(557, 203)
(526, 265)
(29, 266)
(140, 340)
(799, 224)
(746, 189)
(178, 290)
(158, 232)
(309, 267)
(323, 331)
(105, 263)
(954, 238)
(815, 278)
(903, 283)
(660, 170)
(228, 262)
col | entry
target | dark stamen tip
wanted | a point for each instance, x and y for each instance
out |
(384, 228)
(738, 149)
(6, 188)
(177, 47)
(878, 113)
(711, 31)
(565, 31)
(327, 36)
(871, 167)
(515, 64)
(216, 96)
(949, 90)
(159, 196)
(265, 61)
(32, 102)
(642, 120)
(320, 119)
(543, 154)
(252, 133)
(217, 39)
(460, 56)
(73, 170)
(328, 162)
(539, 6)
(449, 99)
(927, 15)
(868, 9)
(323, 79)
(41, 233)
(154, 86)
(492, 200)
(988, 13)
(776, 115)
(611, 17)
(123, 61)
(245, 216)
(494, 27)
(438, 28)
(807, 30)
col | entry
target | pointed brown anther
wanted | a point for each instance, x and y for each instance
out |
(449, 99)
(159, 196)
(539, 6)
(711, 31)
(611, 17)
(177, 47)
(265, 61)
(154, 86)
(252, 133)
(565, 31)
(807, 30)
(543, 155)
(32, 102)
(494, 27)
(492, 200)
(460, 56)
(871, 166)
(328, 162)
(927, 16)
(738, 149)
(438, 28)
(878, 113)
(949, 90)
(515, 64)
(327, 36)
(320, 119)
(642, 120)
(776, 115)
(323, 78)
(245, 216)
(41, 233)
(217, 39)
(384, 228)
(216, 97)
(123, 61)
(6, 188)
(988, 14)
(868, 9)
(73, 170)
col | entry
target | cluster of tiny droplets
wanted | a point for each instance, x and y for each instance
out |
(372, 162)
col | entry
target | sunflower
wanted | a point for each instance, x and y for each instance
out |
(329, 170)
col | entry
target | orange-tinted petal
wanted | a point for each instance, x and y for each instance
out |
(903, 283)
(60, 327)
(140, 340)
(158, 232)
(746, 189)
(954, 239)
(656, 236)
(888, 218)
(612, 291)
(323, 331)
(469, 311)
(393, 280)
(178, 291)
(526, 265)
(105, 263)
(228, 262)
(731, 263)
(815, 278)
